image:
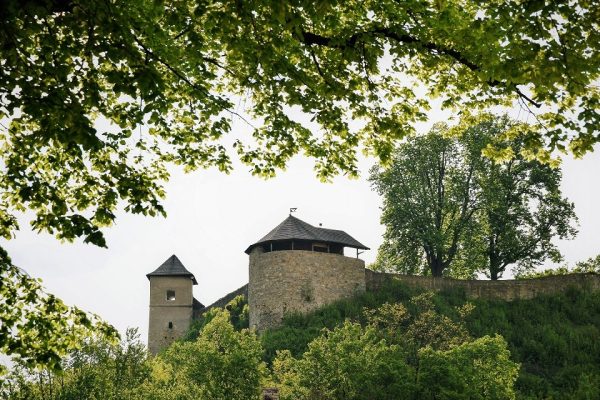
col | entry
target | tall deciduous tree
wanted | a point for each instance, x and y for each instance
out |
(448, 205)
(429, 199)
(522, 207)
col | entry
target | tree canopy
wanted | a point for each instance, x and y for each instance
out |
(323, 78)
(37, 328)
(448, 209)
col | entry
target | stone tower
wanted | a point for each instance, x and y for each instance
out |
(297, 268)
(172, 303)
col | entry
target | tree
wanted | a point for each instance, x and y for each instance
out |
(387, 359)
(36, 328)
(177, 68)
(428, 201)
(220, 364)
(349, 362)
(449, 205)
(98, 98)
(522, 207)
(591, 265)
(99, 369)
(481, 369)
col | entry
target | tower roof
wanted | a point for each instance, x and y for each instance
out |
(293, 228)
(172, 267)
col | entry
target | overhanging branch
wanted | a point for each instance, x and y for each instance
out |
(311, 38)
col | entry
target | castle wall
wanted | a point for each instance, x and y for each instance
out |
(163, 311)
(501, 290)
(298, 281)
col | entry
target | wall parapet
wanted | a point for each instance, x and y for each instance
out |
(486, 289)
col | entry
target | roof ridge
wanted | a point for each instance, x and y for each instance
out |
(172, 267)
(293, 228)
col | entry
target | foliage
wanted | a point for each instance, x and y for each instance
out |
(36, 328)
(553, 338)
(298, 330)
(522, 207)
(98, 370)
(238, 312)
(481, 369)
(355, 362)
(449, 209)
(307, 72)
(221, 363)
(428, 202)
(430, 328)
(395, 333)
(98, 98)
(591, 265)
(347, 363)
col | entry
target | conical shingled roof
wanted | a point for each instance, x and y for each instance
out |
(172, 267)
(293, 228)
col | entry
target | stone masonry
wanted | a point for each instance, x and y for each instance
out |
(169, 319)
(300, 281)
(506, 290)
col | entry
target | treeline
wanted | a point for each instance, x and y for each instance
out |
(408, 351)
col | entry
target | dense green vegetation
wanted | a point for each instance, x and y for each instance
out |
(389, 344)
(554, 338)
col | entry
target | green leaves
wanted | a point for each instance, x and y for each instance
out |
(84, 83)
(37, 329)
(471, 197)
(220, 364)
(398, 354)
(481, 369)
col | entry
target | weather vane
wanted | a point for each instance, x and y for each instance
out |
(293, 209)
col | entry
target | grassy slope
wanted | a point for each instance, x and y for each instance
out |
(555, 338)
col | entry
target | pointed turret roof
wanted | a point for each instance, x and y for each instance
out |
(293, 228)
(172, 267)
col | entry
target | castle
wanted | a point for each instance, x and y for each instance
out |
(296, 267)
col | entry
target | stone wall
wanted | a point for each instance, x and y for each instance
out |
(178, 312)
(223, 301)
(502, 290)
(298, 281)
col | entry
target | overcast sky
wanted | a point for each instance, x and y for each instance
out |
(213, 217)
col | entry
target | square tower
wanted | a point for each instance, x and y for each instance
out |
(171, 303)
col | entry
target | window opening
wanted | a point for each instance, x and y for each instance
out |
(170, 325)
(170, 295)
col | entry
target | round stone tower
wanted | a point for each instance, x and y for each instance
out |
(297, 268)
(172, 303)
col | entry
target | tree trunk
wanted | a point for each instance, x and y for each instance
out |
(436, 267)
(493, 274)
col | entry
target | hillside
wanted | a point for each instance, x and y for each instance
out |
(555, 338)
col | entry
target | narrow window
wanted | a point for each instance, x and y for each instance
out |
(170, 325)
(170, 295)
